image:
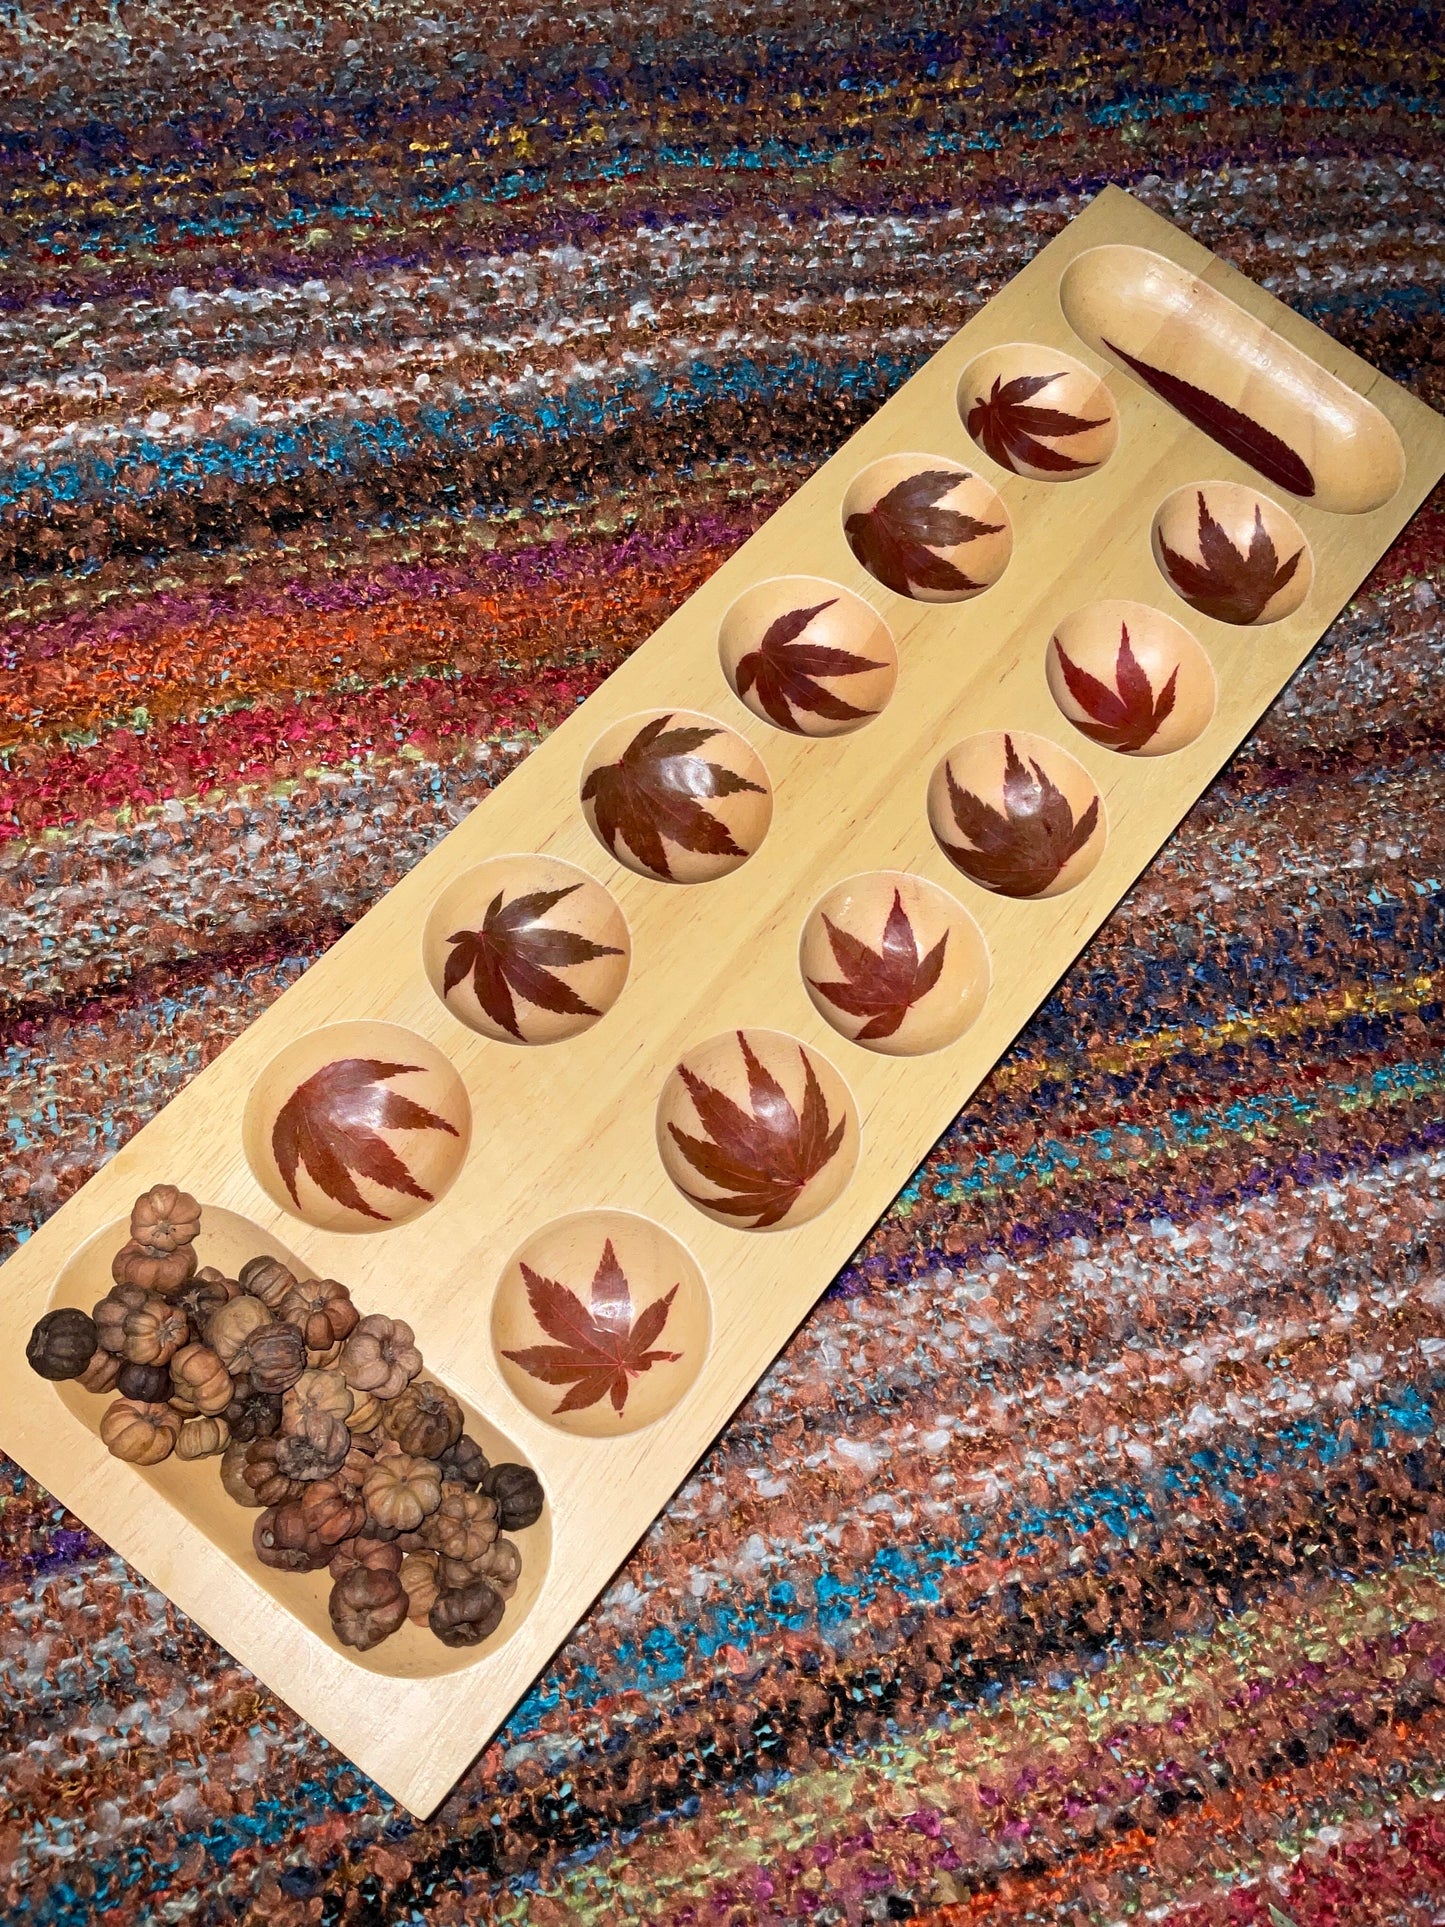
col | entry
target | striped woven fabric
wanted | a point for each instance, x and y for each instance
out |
(372, 379)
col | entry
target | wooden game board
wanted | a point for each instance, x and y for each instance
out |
(1122, 379)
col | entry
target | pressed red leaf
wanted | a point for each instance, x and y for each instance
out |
(1241, 434)
(329, 1127)
(1008, 427)
(516, 952)
(782, 672)
(1230, 584)
(600, 1348)
(895, 540)
(881, 985)
(1020, 849)
(1127, 716)
(657, 789)
(763, 1156)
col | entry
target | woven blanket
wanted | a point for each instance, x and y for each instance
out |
(373, 378)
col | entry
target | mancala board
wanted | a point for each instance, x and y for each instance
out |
(667, 1021)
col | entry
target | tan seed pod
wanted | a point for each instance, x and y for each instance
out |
(101, 1373)
(198, 1376)
(141, 1434)
(380, 1356)
(266, 1279)
(322, 1309)
(367, 1412)
(464, 1524)
(165, 1218)
(316, 1391)
(419, 1576)
(162, 1271)
(230, 1329)
(153, 1333)
(400, 1490)
(202, 1438)
(500, 1566)
(270, 1484)
(233, 1474)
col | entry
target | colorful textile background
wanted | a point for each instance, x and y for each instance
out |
(372, 379)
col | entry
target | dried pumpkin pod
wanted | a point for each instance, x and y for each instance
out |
(419, 1576)
(101, 1374)
(326, 1359)
(367, 1412)
(314, 1449)
(424, 1419)
(364, 1551)
(464, 1524)
(202, 1296)
(202, 1437)
(252, 1414)
(265, 1478)
(367, 1606)
(165, 1218)
(501, 1566)
(331, 1512)
(400, 1490)
(284, 1541)
(151, 1384)
(110, 1314)
(266, 1279)
(380, 1356)
(316, 1391)
(465, 1615)
(198, 1375)
(163, 1271)
(464, 1463)
(140, 1432)
(353, 1469)
(322, 1309)
(233, 1474)
(62, 1343)
(152, 1333)
(230, 1329)
(518, 1493)
(277, 1357)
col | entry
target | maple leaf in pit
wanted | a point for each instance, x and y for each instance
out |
(763, 1156)
(1127, 716)
(1021, 849)
(1231, 585)
(782, 672)
(884, 984)
(1007, 426)
(330, 1125)
(656, 789)
(515, 951)
(895, 539)
(600, 1349)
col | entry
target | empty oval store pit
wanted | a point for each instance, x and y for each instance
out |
(1245, 386)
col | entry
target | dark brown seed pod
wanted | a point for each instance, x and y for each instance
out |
(465, 1615)
(252, 1414)
(278, 1357)
(367, 1606)
(332, 1513)
(165, 1218)
(266, 1279)
(364, 1551)
(162, 1271)
(424, 1419)
(62, 1344)
(465, 1463)
(283, 1539)
(151, 1384)
(315, 1449)
(518, 1493)
(202, 1296)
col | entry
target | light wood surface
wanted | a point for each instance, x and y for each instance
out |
(557, 1129)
